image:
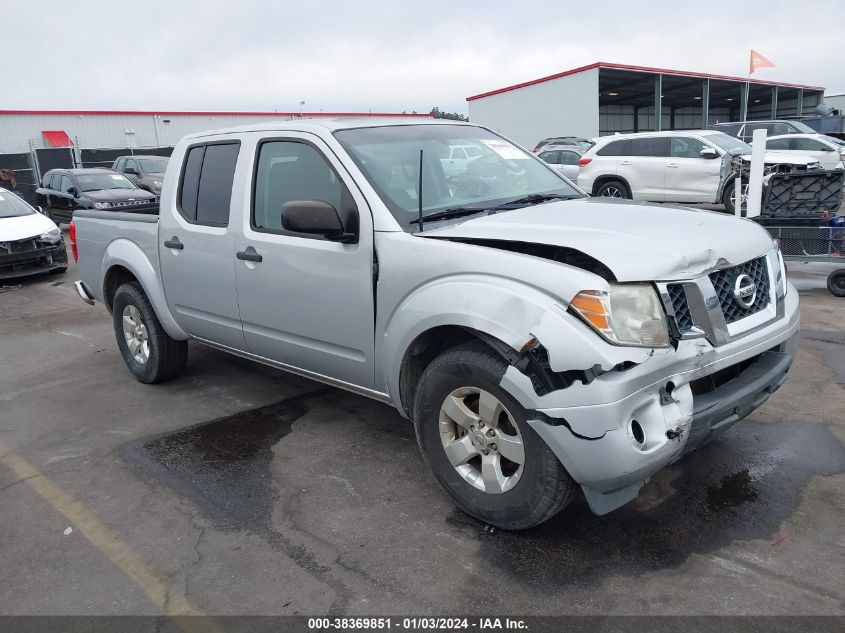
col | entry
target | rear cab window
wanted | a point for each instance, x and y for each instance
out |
(205, 192)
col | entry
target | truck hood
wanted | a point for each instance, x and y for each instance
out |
(117, 195)
(24, 226)
(636, 241)
(774, 157)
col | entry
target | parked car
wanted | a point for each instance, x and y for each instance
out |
(63, 191)
(147, 172)
(829, 151)
(578, 141)
(29, 242)
(456, 162)
(677, 166)
(563, 158)
(745, 131)
(539, 339)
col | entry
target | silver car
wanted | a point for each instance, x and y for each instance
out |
(563, 158)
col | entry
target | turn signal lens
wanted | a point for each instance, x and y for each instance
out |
(593, 305)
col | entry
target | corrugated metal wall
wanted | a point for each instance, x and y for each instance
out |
(116, 130)
(564, 106)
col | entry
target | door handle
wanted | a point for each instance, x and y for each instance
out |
(174, 243)
(249, 255)
(624, 162)
(675, 165)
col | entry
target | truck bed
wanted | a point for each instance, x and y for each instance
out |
(104, 238)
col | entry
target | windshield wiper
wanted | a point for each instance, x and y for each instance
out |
(534, 198)
(452, 212)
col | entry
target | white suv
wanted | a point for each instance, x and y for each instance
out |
(677, 166)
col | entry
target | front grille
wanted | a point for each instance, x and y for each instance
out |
(683, 317)
(724, 282)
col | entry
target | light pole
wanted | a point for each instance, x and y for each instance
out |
(301, 103)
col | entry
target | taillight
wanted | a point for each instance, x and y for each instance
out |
(73, 249)
(584, 161)
(535, 150)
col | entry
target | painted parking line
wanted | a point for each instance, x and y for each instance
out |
(169, 599)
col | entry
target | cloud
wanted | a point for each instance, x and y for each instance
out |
(215, 55)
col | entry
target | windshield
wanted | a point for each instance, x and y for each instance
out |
(729, 143)
(13, 207)
(802, 127)
(96, 182)
(495, 172)
(153, 165)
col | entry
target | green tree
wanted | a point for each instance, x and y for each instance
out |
(437, 113)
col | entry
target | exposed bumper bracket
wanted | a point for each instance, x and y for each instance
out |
(83, 292)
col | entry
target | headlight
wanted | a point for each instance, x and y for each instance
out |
(101, 205)
(630, 314)
(51, 237)
(157, 183)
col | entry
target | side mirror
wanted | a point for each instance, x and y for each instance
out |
(315, 217)
(709, 152)
(73, 191)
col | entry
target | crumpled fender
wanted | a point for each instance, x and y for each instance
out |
(124, 252)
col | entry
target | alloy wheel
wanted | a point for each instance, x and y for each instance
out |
(135, 333)
(481, 440)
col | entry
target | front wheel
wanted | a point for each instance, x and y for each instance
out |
(149, 352)
(476, 439)
(836, 282)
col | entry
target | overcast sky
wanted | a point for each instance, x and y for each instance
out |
(382, 56)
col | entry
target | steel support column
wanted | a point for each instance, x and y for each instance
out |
(658, 102)
(705, 103)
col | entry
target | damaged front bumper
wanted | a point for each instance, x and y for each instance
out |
(30, 257)
(616, 431)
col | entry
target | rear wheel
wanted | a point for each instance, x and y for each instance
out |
(476, 439)
(836, 282)
(149, 352)
(612, 189)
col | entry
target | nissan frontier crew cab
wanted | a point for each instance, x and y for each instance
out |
(540, 341)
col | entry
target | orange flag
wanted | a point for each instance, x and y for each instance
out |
(759, 61)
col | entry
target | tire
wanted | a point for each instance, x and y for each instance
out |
(728, 196)
(613, 189)
(527, 494)
(836, 282)
(154, 357)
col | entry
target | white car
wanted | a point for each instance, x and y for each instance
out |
(829, 151)
(460, 156)
(30, 243)
(676, 166)
(563, 158)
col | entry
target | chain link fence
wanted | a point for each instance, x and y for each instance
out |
(22, 172)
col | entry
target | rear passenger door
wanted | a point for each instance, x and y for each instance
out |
(196, 245)
(307, 302)
(690, 177)
(645, 168)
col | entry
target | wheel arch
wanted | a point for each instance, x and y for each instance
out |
(600, 180)
(124, 262)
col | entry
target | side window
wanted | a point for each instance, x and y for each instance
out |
(206, 190)
(615, 148)
(810, 145)
(569, 158)
(552, 158)
(732, 130)
(686, 147)
(458, 152)
(648, 146)
(780, 128)
(131, 162)
(66, 184)
(47, 182)
(778, 143)
(473, 151)
(120, 164)
(289, 170)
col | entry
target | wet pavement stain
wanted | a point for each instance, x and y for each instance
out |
(739, 487)
(223, 465)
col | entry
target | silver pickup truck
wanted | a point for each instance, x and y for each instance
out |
(540, 340)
